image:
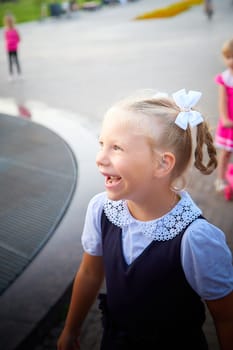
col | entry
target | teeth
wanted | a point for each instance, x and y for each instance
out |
(112, 178)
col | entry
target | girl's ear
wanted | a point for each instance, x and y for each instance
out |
(164, 164)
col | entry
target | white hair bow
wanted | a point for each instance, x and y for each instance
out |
(185, 101)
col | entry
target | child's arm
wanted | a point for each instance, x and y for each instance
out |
(222, 313)
(227, 123)
(19, 38)
(86, 286)
(5, 36)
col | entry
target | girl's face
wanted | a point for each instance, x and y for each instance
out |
(9, 22)
(125, 158)
(228, 59)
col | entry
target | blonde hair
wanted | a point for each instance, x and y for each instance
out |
(164, 135)
(9, 20)
(227, 48)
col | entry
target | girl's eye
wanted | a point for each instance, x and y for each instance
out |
(116, 148)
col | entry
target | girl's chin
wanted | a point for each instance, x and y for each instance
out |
(113, 196)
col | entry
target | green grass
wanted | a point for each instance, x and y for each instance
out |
(26, 10)
(23, 10)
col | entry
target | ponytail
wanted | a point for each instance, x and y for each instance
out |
(203, 138)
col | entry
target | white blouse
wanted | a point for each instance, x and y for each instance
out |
(206, 259)
(227, 77)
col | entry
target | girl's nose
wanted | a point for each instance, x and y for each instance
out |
(102, 158)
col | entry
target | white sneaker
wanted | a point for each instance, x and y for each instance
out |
(20, 77)
(220, 185)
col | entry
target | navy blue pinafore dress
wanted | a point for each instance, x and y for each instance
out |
(149, 304)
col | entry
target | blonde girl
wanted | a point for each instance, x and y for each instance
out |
(224, 130)
(12, 39)
(161, 260)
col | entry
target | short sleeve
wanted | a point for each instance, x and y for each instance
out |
(91, 236)
(218, 79)
(207, 260)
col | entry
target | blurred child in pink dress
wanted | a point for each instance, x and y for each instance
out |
(224, 131)
(12, 40)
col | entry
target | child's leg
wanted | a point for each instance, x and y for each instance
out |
(17, 62)
(223, 160)
(10, 62)
(208, 6)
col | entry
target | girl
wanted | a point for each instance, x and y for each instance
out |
(12, 40)
(147, 237)
(224, 131)
(208, 8)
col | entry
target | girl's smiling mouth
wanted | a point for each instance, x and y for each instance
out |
(111, 180)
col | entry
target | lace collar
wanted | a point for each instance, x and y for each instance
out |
(227, 77)
(162, 229)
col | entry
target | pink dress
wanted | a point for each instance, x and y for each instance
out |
(224, 136)
(12, 39)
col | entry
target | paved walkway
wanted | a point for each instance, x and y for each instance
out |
(86, 63)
